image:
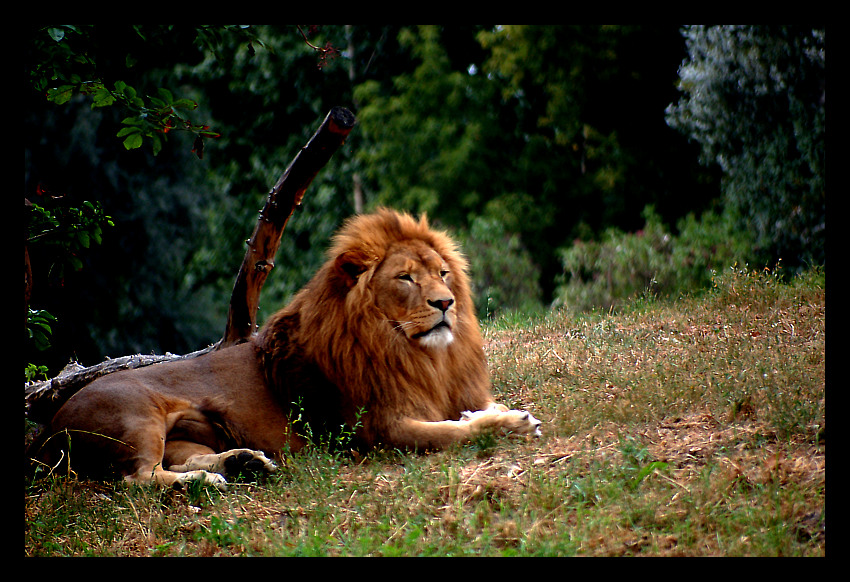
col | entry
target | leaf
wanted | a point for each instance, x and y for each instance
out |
(128, 131)
(128, 91)
(165, 94)
(102, 98)
(41, 315)
(133, 141)
(60, 95)
(185, 104)
(41, 325)
(83, 239)
(96, 234)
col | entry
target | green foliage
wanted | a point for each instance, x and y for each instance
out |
(64, 232)
(156, 118)
(64, 64)
(754, 99)
(33, 372)
(637, 462)
(503, 274)
(38, 328)
(421, 139)
(653, 261)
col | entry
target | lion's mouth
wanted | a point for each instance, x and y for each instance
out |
(442, 325)
(437, 337)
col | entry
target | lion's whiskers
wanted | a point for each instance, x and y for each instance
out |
(402, 325)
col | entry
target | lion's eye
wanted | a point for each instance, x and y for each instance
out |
(406, 277)
(444, 274)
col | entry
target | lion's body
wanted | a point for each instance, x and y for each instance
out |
(382, 340)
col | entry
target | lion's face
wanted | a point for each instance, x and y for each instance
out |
(413, 290)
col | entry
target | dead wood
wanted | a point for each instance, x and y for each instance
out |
(282, 201)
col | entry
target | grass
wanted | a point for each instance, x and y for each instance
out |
(693, 427)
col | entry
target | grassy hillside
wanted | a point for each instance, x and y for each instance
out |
(693, 427)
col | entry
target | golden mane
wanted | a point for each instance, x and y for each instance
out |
(334, 330)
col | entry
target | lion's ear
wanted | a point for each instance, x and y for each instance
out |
(351, 264)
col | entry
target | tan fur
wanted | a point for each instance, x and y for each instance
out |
(383, 339)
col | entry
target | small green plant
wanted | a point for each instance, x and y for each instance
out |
(199, 492)
(337, 439)
(34, 372)
(221, 531)
(484, 443)
(638, 463)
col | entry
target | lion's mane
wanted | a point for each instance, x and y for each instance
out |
(331, 351)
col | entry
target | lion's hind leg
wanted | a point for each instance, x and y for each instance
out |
(153, 464)
(179, 479)
(200, 463)
(231, 463)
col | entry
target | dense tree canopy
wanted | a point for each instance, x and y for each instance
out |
(755, 101)
(521, 139)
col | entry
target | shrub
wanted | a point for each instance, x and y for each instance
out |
(653, 261)
(503, 274)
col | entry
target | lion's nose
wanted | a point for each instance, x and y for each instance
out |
(441, 304)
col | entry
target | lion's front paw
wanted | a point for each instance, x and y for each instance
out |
(521, 422)
(511, 421)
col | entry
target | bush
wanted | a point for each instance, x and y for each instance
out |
(654, 261)
(503, 274)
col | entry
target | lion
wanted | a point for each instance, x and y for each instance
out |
(382, 342)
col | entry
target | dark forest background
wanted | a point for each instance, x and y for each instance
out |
(579, 165)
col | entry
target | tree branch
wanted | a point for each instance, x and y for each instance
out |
(282, 201)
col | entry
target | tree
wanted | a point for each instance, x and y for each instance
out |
(426, 136)
(161, 280)
(557, 132)
(754, 99)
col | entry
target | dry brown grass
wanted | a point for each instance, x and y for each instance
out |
(693, 428)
